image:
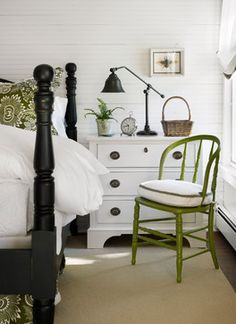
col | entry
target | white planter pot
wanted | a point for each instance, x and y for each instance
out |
(104, 127)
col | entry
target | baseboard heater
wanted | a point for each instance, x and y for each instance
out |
(226, 225)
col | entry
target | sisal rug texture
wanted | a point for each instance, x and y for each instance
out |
(99, 286)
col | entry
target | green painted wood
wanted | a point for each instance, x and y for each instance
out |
(179, 244)
(212, 149)
(196, 230)
(214, 181)
(196, 237)
(184, 162)
(196, 254)
(213, 159)
(197, 162)
(180, 212)
(167, 240)
(156, 219)
(135, 232)
(157, 233)
(211, 237)
(156, 242)
(172, 209)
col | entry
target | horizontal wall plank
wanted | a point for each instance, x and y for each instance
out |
(101, 34)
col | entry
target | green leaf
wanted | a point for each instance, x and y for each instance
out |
(92, 113)
(117, 108)
(90, 110)
(104, 112)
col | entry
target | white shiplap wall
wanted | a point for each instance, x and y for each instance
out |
(101, 34)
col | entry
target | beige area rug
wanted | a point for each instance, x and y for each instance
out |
(101, 287)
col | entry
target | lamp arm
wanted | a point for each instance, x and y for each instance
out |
(147, 84)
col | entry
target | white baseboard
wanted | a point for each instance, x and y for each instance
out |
(225, 225)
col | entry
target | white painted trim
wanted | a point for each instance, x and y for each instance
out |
(224, 227)
(228, 173)
(227, 116)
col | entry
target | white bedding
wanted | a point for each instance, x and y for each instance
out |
(77, 185)
(14, 196)
(58, 115)
(14, 215)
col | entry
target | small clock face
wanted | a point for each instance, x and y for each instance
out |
(128, 126)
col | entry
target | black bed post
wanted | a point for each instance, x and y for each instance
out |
(71, 114)
(43, 236)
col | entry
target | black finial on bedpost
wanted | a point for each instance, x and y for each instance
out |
(43, 262)
(71, 114)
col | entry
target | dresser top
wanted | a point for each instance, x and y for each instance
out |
(131, 139)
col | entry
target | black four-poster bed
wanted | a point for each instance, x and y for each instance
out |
(34, 271)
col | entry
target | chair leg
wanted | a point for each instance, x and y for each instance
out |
(211, 237)
(179, 246)
(43, 311)
(135, 232)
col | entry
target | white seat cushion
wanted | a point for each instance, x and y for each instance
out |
(174, 193)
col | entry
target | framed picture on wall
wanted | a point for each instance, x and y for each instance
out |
(166, 62)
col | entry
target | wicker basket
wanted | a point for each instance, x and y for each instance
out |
(176, 127)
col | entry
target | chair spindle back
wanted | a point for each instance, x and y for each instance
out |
(213, 159)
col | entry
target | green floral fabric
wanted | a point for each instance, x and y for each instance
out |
(17, 102)
(16, 309)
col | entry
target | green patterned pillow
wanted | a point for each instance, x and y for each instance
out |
(17, 102)
(16, 309)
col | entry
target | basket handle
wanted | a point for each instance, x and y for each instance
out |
(176, 97)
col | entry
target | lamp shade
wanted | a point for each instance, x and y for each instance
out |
(113, 84)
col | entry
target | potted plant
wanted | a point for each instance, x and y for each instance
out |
(104, 117)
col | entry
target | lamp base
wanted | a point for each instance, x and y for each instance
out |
(146, 133)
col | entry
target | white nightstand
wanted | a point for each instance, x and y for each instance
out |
(132, 160)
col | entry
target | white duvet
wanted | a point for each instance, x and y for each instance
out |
(14, 196)
(77, 185)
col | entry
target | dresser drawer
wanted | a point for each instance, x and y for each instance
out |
(140, 155)
(126, 183)
(121, 212)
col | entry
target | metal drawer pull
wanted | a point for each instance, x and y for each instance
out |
(177, 155)
(115, 155)
(114, 183)
(145, 149)
(115, 211)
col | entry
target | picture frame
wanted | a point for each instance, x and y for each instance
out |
(167, 62)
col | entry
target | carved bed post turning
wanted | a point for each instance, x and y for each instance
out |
(43, 236)
(43, 155)
(71, 114)
(71, 117)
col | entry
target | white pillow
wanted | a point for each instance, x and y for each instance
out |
(58, 115)
(174, 193)
(11, 164)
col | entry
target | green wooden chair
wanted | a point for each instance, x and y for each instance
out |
(179, 197)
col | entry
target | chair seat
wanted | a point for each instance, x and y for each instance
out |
(174, 193)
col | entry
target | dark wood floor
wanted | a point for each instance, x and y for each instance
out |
(225, 253)
(227, 258)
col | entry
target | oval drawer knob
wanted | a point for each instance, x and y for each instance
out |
(115, 211)
(115, 155)
(114, 183)
(177, 155)
(145, 149)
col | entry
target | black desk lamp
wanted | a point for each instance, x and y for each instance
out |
(113, 84)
